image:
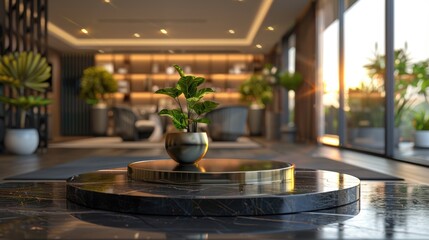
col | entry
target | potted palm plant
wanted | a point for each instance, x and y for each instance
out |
(23, 72)
(95, 86)
(187, 147)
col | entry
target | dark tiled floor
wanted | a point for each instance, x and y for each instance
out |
(386, 210)
(11, 165)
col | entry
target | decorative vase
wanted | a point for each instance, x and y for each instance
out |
(186, 147)
(21, 141)
(99, 119)
(256, 121)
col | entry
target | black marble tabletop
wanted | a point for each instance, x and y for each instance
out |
(307, 190)
(386, 210)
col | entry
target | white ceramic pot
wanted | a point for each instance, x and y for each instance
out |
(21, 141)
(421, 139)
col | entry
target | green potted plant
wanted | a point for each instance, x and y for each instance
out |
(291, 81)
(367, 102)
(421, 124)
(95, 86)
(420, 72)
(187, 147)
(23, 72)
(257, 92)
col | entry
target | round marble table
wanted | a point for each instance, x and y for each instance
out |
(214, 171)
(218, 193)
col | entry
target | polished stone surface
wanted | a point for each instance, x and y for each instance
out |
(309, 190)
(387, 210)
(212, 171)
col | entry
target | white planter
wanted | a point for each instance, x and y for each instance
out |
(21, 141)
(421, 139)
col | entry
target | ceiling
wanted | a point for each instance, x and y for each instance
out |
(191, 25)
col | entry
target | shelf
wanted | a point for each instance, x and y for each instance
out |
(140, 74)
(161, 76)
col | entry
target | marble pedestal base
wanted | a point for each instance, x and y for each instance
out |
(310, 190)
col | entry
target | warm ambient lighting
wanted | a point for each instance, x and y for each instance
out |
(332, 140)
(136, 35)
(163, 31)
(231, 31)
(107, 1)
(258, 45)
(246, 40)
(84, 30)
(270, 28)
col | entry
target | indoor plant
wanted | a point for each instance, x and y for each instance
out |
(187, 147)
(367, 102)
(421, 124)
(95, 85)
(23, 72)
(291, 81)
(258, 92)
(421, 118)
(411, 80)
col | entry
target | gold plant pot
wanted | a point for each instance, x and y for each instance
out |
(186, 147)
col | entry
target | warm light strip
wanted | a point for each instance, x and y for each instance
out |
(138, 76)
(71, 40)
(181, 57)
(330, 140)
(223, 95)
(259, 18)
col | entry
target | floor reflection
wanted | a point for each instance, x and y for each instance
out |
(201, 226)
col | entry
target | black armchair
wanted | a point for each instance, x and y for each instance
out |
(227, 123)
(132, 126)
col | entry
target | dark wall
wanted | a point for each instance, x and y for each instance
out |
(305, 101)
(75, 113)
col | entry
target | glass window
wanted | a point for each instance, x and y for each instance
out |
(328, 73)
(412, 79)
(364, 44)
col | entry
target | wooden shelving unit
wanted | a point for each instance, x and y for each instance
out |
(141, 74)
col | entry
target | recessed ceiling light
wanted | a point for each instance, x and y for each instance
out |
(84, 30)
(231, 31)
(136, 35)
(163, 31)
(258, 45)
(107, 1)
(270, 28)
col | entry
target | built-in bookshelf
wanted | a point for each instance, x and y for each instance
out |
(139, 75)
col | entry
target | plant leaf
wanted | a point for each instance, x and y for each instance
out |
(179, 70)
(199, 80)
(203, 91)
(203, 120)
(180, 119)
(188, 86)
(204, 107)
(172, 92)
(26, 102)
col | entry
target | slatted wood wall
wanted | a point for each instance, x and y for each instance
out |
(75, 113)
